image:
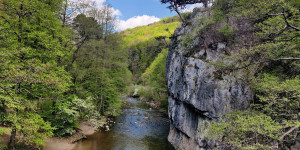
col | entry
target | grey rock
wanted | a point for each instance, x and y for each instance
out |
(196, 95)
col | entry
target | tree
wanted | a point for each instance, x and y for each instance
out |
(44, 46)
(270, 63)
(99, 63)
(175, 5)
(154, 77)
(31, 43)
(105, 18)
(87, 28)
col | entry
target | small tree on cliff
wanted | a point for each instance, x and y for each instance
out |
(176, 4)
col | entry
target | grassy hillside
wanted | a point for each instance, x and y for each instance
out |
(164, 27)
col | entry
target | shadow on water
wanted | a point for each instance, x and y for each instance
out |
(137, 128)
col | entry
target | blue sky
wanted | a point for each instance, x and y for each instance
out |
(133, 13)
(131, 8)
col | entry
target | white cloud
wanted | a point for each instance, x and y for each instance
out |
(120, 24)
(116, 12)
(135, 21)
(190, 8)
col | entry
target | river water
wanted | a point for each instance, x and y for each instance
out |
(137, 128)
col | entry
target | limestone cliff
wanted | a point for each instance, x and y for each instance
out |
(197, 94)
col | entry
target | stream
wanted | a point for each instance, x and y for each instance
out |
(137, 128)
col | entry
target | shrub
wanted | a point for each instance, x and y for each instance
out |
(246, 130)
(227, 32)
(32, 128)
(63, 117)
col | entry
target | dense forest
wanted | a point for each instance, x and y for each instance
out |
(62, 61)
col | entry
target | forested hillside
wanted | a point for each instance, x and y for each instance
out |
(146, 42)
(147, 48)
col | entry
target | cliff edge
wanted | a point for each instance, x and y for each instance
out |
(198, 94)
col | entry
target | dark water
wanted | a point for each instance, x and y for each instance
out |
(138, 128)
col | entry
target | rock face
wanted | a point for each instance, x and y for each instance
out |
(197, 93)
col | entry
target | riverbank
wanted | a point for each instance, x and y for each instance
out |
(149, 96)
(55, 143)
(69, 143)
(4, 138)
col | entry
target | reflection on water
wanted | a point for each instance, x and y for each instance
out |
(138, 128)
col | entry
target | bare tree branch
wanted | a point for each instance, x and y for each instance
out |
(78, 47)
(286, 133)
(30, 93)
(287, 23)
(288, 58)
(291, 38)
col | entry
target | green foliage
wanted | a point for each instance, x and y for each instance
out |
(154, 77)
(187, 41)
(33, 44)
(186, 15)
(226, 31)
(62, 72)
(147, 94)
(87, 26)
(32, 127)
(246, 130)
(145, 33)
(62, 115)
(155, 73)
(86, 108)
(271, 65)
(170, 19)
(99, 69)
(280, 98)
(146, 42)
(204, 24)
(115, 107)
(3, 131)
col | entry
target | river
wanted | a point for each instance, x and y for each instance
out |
(137, 128)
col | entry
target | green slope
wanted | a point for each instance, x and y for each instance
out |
(143, 46)
(165, 27)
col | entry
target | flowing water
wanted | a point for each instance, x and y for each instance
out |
(138, 128)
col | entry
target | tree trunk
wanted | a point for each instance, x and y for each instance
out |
(177, 11)
(53, 107)
(12, 141)
(100, 104)
(102, 82)
(65, 14)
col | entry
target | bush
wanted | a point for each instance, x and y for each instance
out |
(115, 107)
(227, 32)
(246, 130)
(32, 128)
(154, 78)
(146, 94)
(63, 117)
